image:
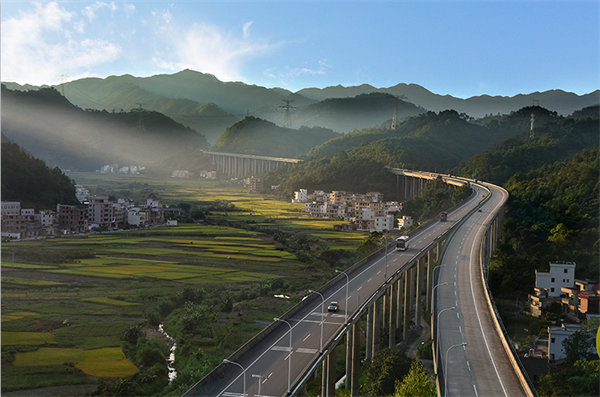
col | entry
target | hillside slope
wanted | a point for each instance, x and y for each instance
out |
(29, 181)
(52, 129)
(260, 137)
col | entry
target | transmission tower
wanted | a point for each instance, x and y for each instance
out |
(395, 118)
(140, 111)
(287, 108)
(62, 82)
(531, 121)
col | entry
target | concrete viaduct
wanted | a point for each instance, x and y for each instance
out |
(380, 299)
(236, 165)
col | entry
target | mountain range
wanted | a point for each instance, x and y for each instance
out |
(208, 105)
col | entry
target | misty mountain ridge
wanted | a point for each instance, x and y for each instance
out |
(61, 134)
(238, 99)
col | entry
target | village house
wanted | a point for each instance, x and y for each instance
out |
(366, 212)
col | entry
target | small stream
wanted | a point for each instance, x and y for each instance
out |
(171, 360)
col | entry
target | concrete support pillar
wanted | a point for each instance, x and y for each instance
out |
(376, 328)
(355, 373)
(418, 293)
(399, 285)
(328, 376)
(407, 301)
(348, 357)
(392, 316)
(429, 280)
(369, 333)
(384, 304)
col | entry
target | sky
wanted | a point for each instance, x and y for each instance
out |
(457, 47)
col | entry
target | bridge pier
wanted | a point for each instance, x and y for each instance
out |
(328, 376)
(355, 373)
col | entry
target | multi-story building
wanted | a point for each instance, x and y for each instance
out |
(72, 218)
(561, 274)
(136, 216)
(100, 211)
(300, 196)
(47, 218)
(13, 223)
(556, 337)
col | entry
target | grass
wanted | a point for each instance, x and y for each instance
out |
(26, 338)
(29, 281)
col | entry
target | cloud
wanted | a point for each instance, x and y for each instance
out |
(90, 11)
(246, 29)
(40, 44)
(293, 72)
(209, 49)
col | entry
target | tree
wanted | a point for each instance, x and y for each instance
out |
(382, 372)
(416, 383)
(579, 346)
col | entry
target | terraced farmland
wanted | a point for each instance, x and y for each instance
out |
(103, 284)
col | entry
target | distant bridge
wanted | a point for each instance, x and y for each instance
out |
(237, 165)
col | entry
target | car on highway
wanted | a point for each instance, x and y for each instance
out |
(333, 307)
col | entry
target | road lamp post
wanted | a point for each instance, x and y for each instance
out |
(433, 290)
(437, 336)
(290, 357)
(260, 379)
(347, 282)
(243, 372)
(322, 316)
(446, 367)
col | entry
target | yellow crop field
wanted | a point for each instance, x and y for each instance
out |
(26, 338)
(29, 281)
(108, 362)
(16, 315)
(48, 356)
(109, 301)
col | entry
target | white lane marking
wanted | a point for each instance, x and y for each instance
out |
(271, 374)
(476, 394)
(369, 280)
(281, 348)
(231, 394)
(306, 337)
(306, 350)
(472, 267)
(460, 330)
(468, 365)
(359, 288)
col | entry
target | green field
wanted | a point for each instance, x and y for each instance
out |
(105, 283)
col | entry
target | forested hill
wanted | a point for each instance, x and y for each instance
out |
(52, 129)
(557, 140)
(260, 137)
(552, 214)
(346, 114)
(356, 161)
(29, 181)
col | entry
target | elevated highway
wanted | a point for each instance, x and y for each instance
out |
(386, 295)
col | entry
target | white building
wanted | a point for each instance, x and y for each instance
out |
(561, 274)
(300, 196)
(136, 216)
(384, 223)
(556, 337)
(405, 221)
(11, 208)
(152, 203)
(47, 217)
